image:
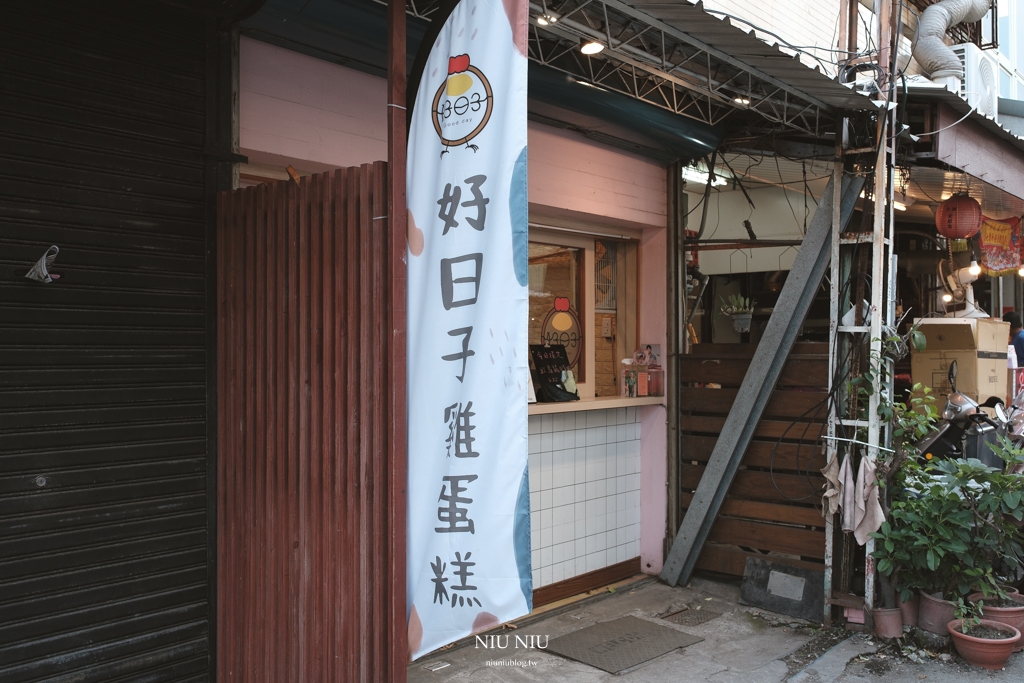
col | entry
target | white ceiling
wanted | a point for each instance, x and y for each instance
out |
(924, 187)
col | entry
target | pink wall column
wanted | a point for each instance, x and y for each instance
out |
(296, 107)
(570, 173)
(653, 419)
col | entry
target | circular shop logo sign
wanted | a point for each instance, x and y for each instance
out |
(463, 104)
(562, 326)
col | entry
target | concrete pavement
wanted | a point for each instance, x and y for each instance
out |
(744, 645)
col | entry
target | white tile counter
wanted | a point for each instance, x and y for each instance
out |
(584, 491)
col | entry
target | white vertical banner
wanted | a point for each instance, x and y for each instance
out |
(469, 504)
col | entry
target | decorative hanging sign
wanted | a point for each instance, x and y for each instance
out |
(468, 545)
(1000, 246)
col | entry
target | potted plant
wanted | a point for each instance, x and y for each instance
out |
(981, 642)
(1006, 608)
(740, 309)
(954, 529)
(908, 422)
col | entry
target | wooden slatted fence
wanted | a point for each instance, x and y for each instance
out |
(305, 577)
(771, 509)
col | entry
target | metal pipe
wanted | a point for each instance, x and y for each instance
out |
(707, 195)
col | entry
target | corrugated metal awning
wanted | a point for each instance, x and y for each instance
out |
(676, 55)
(741, 44)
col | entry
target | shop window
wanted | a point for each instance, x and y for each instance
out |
(555, 305)
(583, 295)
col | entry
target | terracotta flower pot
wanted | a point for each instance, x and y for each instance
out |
(909, 609)
(1011, 616)
(934, 614)
(888, 622)
(984, 652)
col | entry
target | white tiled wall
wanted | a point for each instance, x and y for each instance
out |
(584, 491)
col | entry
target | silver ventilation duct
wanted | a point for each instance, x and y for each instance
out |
(934, 56)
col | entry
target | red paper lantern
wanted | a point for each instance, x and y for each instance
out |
(959, 217)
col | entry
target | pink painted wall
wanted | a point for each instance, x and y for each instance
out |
(568, 172)
(299, 108)
(653, 419)
(577, 178)
(296, 109)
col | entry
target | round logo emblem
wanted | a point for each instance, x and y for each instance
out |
(562, 326)
(463, 104)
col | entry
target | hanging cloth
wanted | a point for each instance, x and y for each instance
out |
(833, 488)
(847, 495)
(868, 514)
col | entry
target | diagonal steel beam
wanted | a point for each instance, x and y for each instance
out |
(759, 382)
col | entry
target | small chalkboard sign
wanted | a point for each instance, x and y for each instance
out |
(549, 361)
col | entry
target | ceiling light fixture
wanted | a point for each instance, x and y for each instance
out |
(901, 204)
(742, 100)
(543, 20)
(590, 47)
(695, 175)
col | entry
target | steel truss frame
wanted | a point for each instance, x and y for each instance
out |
(652, 61)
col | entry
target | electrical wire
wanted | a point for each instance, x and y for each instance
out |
(973, 109)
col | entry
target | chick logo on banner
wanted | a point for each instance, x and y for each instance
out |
(469, 504)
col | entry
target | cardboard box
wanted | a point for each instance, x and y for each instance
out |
(978, 345)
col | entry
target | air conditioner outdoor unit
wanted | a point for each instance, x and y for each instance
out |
(980, 85)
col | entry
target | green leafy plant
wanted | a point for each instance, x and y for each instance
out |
(736, 304)
(908, 421)
(954, 527)
(968, 613)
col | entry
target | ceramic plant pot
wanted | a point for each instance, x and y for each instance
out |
(909, 609)
(888, 622)
(934, 614)
(741, 322)
(1011, 616)
(984, 652)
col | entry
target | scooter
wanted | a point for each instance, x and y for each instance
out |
(966, 430)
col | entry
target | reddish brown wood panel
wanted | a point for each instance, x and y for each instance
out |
(761, 454)
(731, 560)
(766, 512)
(586, 582)
(766, 429)
(305, 578)
(784, 404)
(771, 508)
(773, 487)
(729, 372)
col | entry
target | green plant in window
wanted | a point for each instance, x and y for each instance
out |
(736, 304)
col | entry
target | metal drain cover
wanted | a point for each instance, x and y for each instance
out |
(620, 644)
(692, 617)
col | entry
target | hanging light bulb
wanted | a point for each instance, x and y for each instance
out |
(1021, 271)
(949, 297)
(974, 269)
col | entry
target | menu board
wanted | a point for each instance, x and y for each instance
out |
(549, 361)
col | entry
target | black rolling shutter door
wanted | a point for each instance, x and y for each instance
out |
(103, 451)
